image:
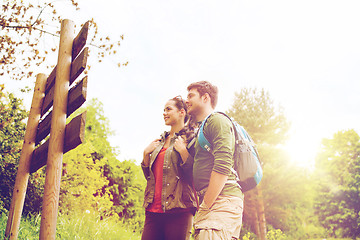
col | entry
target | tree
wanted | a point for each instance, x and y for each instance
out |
(24, 24)
(12, 130)
(255, 110)
(94, 179)
(125, 180)
(338, 168)
(83, 177)
(274, 197)
(83, 180)
(289, 193)
(127, 185)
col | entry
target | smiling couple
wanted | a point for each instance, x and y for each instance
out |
(180, 174)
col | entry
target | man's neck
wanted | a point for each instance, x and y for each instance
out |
(202, 115)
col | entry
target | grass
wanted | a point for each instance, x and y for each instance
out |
(331, 239)
(78, 226)
(82, 226)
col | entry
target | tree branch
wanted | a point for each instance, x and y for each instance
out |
(43, 31)
(31, 25)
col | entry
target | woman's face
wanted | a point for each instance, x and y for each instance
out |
(172, 115)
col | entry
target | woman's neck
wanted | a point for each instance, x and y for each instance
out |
(176, 128)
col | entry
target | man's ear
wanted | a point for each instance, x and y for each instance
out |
(206, 97)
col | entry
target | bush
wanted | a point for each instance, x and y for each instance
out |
(275, 234)
(272, 234)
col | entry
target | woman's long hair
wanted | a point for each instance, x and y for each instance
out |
(188, 130)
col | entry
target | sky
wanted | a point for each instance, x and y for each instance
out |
(306, 54)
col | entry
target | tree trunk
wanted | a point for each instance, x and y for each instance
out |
(256, 225)
(250, 211)
(260, 209)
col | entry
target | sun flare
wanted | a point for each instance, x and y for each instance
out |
(302, 150)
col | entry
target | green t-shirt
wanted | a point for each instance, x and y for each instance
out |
(219, 131)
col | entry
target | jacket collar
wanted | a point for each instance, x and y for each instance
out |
(166, 133)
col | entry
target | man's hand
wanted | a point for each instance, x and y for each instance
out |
(180, 146)
(216, 184)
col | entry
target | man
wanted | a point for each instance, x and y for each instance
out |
(221, 208)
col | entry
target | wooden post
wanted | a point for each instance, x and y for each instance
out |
(57, 133)
(22, 176)
(52, 91)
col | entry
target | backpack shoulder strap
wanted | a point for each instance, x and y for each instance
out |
(204, 143)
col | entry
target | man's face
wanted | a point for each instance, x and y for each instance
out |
(194, 102)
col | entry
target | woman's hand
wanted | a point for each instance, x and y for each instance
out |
(149, 149)
(180, 146)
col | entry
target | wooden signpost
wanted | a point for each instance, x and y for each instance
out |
(53, 101)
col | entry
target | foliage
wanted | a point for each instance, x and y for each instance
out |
(255, 110)
(30, 227)
(289, 197)
(287, 191)
(93, 179)
(23, 24)
(272, 234)
(82, 181)
(127, 185)
(12, 126)
(97, 128)
(246, 234)
(12, 129)
(83, 177)
(275, 234)
(338, 169)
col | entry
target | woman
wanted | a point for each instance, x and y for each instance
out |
(169, 200)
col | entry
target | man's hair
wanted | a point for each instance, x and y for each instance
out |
(205, 87)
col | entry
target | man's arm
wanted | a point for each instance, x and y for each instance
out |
(220, 128)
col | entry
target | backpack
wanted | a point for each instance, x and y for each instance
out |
(247, 167)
